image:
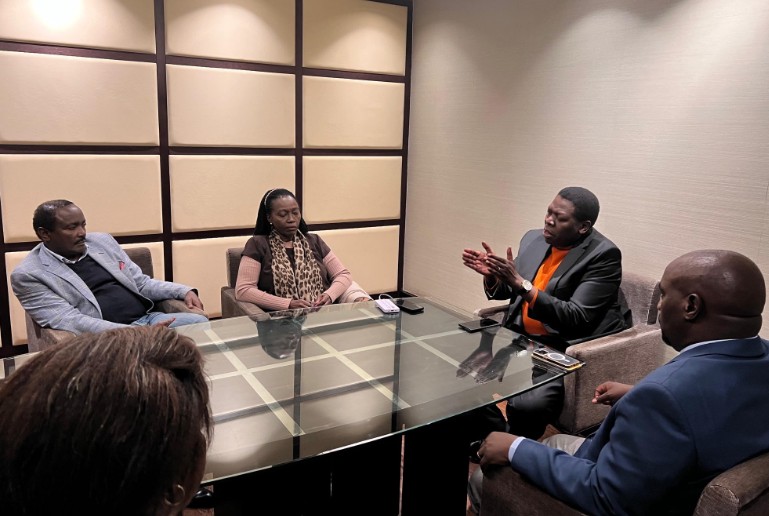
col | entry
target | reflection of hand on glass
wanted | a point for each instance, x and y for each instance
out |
(498, 365)
(479, 359)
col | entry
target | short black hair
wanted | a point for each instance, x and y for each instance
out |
(265, 206)
(45, 214)
(585, 203)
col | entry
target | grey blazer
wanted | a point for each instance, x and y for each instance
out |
(581, 299)
(55, 296)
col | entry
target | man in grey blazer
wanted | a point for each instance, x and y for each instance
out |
(700, 414)
(82, 282)
(562, 286)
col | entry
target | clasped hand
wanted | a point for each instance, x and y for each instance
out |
(491, 265)
(323, 299)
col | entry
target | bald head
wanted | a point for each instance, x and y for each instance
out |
(711, 294)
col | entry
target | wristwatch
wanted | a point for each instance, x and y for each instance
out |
(526, 287)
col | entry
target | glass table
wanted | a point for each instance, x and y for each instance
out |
(345, 409)
(352, 380)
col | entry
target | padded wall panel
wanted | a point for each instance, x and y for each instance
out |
(18, 326)
(241, 30)
(201, 264)
(232, 108)
(341, 189)
(370, 254)
(352, 114)
(111, 24)
(223, 192)
(75, 100)
(118, 194)
(158, 261)
(355, 35)
(18, 323)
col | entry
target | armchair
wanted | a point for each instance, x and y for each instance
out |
(741, 490)
(39, 338)
(231, 307)
(626, 356)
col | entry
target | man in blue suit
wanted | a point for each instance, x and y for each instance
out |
(82, 282)
(693, 418)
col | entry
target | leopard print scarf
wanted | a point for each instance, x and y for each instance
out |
(304, 282)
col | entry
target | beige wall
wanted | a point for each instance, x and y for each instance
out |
(244, 96)
(660, 108)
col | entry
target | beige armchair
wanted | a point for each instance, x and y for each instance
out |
(624, 357)
(39, 338)
(231, 307)
(741, 490)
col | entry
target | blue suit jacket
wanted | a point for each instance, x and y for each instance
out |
(55, 296)
(581, 299)
(693, 418)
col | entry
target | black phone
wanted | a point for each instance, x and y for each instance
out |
(479, 324)
(409, 306)
(555, 358)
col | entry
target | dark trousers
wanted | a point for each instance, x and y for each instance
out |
(528, 414)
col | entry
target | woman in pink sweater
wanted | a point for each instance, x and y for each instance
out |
(283, 266)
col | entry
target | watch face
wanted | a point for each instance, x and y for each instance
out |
(526, 285)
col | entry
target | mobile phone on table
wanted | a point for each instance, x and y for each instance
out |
(409, 306)
(479, 324)
(555, 358)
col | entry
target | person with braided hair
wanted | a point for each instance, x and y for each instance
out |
(284, 266)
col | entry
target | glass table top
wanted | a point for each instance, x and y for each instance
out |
(301, 383)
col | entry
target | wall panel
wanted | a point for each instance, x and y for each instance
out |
(350, 188)
(352, 114)
(241, 30)
(64, 99)
(355, 35)
(223, 192)
(370, 254)
(118, 194)
(230, 108)
(112, 24)
(17, 325)
(201, 264)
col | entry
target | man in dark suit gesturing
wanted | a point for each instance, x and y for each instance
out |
(688, 421)
(562, 286)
